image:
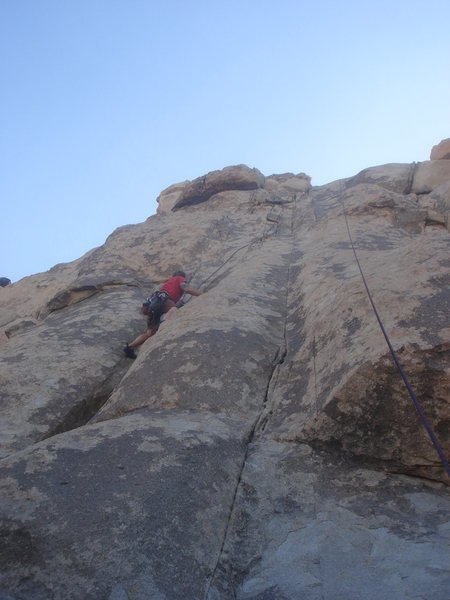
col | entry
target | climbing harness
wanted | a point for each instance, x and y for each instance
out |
(155, 304)
(394, 356)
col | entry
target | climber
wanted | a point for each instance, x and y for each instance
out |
(168, 297)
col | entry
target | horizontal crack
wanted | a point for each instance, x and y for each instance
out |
(77, 294)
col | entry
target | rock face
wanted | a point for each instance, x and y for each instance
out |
(262, 445)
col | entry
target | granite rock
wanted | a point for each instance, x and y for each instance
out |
(262, 445)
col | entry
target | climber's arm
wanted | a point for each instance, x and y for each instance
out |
(189, 290)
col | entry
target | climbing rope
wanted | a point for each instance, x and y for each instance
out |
(259, 238)
(394, 356)
(202, 283)
(250, 243)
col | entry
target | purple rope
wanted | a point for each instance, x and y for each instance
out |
(394, 356)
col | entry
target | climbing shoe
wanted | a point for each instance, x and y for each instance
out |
(129, 352)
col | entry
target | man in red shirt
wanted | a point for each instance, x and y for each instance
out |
(169, 296)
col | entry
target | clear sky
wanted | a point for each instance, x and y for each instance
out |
(104, 103)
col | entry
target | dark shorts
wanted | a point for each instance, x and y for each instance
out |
(153, 321)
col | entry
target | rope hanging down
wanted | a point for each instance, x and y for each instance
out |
(394, 356)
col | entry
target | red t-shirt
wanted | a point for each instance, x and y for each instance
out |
(172, 287)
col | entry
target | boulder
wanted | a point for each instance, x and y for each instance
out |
(441, 151)
(238, 177)
(430, 175)
(169, 197)
(288, 182)
(4, 281)
(394, 177)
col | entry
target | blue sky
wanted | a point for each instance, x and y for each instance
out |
(104, 103)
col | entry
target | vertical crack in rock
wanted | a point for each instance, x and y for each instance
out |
(410, 182)
(314, 352)
(268, 405)
(248, 443)
(260, 421)
(319, 554)
(87, 408)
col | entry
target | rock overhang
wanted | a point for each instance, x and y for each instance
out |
(232, 178)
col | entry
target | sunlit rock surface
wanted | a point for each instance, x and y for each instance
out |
(263, 444)
(441, 151)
